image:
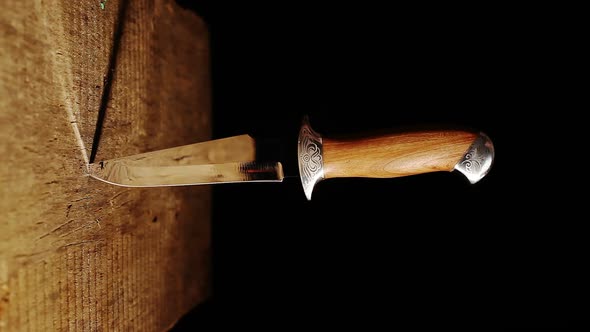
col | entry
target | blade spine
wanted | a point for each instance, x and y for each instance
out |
(133, 158)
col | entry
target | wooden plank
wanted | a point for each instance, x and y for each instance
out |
(75, 253)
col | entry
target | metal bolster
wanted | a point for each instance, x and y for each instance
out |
(310, 157)
(478, 159)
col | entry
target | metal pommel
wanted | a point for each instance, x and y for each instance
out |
(309, 155)
(478, 159)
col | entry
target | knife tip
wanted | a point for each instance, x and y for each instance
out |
(94, 168)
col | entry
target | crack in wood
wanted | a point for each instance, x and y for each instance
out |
(108, 80)
(55, 229)
(80, 199)
(79, 243)
(77, 229)
(119, 194)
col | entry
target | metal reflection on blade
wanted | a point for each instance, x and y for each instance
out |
(130, 175)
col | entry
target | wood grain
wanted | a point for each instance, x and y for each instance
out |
(76, 253)
(395, 155)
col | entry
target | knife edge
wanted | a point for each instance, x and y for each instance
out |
(126, 174)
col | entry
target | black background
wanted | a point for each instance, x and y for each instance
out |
(428, 250)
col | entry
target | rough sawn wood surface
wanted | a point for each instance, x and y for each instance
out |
(76, 253)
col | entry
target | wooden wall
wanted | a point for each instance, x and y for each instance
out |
(120, 77)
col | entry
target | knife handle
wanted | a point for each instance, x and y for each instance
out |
(393, 155)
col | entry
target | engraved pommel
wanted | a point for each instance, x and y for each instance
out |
(477, 161)
(309, 154)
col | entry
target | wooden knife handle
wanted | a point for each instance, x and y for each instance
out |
(393, 155)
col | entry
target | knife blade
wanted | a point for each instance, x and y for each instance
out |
(236, 159)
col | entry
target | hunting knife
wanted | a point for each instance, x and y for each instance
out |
(236, 159)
